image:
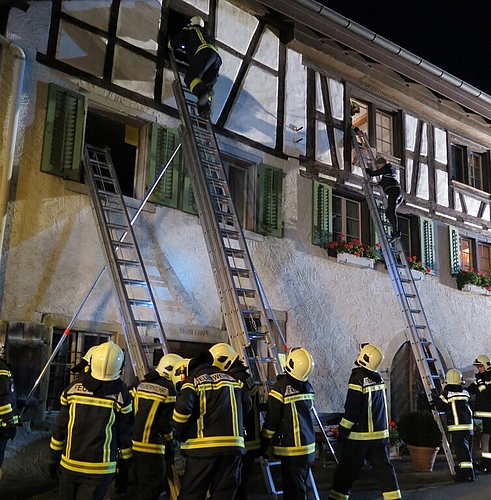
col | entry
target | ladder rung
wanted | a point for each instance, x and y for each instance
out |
(122, 244)
(242, 273)
(234, 251)
(141, 302)
(114, 225)
(145, 323)
(133, 282)
(230, 233)
(246, 292)
(128, 263)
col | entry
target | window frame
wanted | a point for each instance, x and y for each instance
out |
(463, 165)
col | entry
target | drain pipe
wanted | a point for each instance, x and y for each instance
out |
(11, 132)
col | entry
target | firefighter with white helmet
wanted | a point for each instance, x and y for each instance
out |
(203, 59)
(481, 388)
(364, 431)
(155, 397)
(91, 441)
(454, 401)
(288, 426)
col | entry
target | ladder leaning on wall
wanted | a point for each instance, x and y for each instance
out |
(141, 323)
(244, 305)
(417, 328)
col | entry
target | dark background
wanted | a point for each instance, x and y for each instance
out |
(455, 36)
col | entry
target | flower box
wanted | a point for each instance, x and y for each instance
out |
(417, 275)
(478, 290)
(352, 260)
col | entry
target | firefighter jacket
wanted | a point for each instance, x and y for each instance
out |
(8, 399)
(454, 401)
(365, 409)
(193, 39)
(154, 402)
(252, 425)
(93, 428)
(208, 415)
(389, 176)
(482, 389)
(288, 418)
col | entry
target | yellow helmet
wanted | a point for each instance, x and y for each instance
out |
(88, 355)
(454, 377)
(180, 373)
(223, 355)
(107, 361)
(484, 360)
(197, 20)
(370, 357)
(299, 363)
(168, 365)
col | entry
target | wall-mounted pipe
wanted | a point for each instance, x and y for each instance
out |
(12, 121)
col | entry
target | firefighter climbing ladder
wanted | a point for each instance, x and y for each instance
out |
(140, 319)
(243, 306)
(417, 329)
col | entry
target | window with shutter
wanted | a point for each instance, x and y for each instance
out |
(270, 213)
(453, 234)
(162, 144)
(428, 253)
(321, 213)
(63, 133)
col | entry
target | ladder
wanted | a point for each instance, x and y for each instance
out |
(141, 323)
(242, 298)
(417, 328)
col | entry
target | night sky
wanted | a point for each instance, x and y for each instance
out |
(456, 37)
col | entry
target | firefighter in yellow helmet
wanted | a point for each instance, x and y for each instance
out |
(481, 388)
(154, 403)
(364, 429)
(91, 441)
(204, 62)
(454, 402)
(288, 425)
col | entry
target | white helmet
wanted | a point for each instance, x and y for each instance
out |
(88, 355)
(197, 20)
(484, 360)
(107, 361)
(299, 363)
(168, 365)
(370, 357)
(223, 355)
(454, 377)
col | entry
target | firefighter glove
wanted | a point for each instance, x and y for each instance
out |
(265, 442)
(343, 434)
(122, 476)
(54, 470)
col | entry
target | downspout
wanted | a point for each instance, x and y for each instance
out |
(11, 132)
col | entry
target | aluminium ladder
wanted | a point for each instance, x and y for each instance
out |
(417, 329)
(141, 323)
(241, 295)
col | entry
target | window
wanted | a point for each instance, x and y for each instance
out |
(384, 131)
(346, 218)
(470, 166)
(466, 257)
(484, 257)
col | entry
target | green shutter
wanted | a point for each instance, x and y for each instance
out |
(454, 237)
(162, 144)
(188, 201)
(428, 252)
(321, 213)
(63, 133)
(270, 213)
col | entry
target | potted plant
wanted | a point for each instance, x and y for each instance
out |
(354, 252)
(395, 440)
(478, 282)
(419, 430)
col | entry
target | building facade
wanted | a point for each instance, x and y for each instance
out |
(98, 72)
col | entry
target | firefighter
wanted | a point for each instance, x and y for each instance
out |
(154, 403)
(9, 417)
(204, 62)
(454, 401)
(91, 442)
(481, 388)
(288, 425)
(208, 421)
(363, 432)
(228, 360)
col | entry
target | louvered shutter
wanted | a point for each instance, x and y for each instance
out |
(321, 213)
(454, 238)
(270, 213)
(428, 253)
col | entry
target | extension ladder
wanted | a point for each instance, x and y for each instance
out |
(141, 323)
(417, 329)
(243, 302)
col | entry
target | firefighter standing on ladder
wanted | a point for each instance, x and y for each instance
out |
(364, 429)
(481, 388)
(289, 426)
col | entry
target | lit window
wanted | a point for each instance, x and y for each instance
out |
(466, 261)
(484, 257)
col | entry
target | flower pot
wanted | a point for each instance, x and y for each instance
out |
(394, 452)
(478, 290)
(352, 260)
(422, 457)
(417, 275)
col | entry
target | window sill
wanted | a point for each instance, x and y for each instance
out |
(476, 290)
(352, 260)
(466, 189)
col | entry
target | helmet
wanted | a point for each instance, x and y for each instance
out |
(197, 20)
(354, 107)
(454, 377)
(223, 355)
(299, 363)
(168, 365)
(482, 359)
(88, 355)
(107, 361)
(180, 373)
(370, 357)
